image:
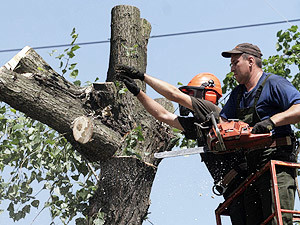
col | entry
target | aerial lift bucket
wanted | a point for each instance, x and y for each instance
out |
(221, 210)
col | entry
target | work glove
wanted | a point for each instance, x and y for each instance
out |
(130, 72)
(131, 85)
(264, 126)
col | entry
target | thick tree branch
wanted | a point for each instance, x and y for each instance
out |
(30, 85)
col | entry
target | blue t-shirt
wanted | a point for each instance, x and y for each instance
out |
(278, 95)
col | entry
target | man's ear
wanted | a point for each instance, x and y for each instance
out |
(251, 60)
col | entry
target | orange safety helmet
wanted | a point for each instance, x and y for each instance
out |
(204, 85)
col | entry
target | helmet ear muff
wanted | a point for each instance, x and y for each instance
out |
(208, 81)
(211, 96)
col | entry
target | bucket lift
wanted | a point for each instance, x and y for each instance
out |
(221, 210)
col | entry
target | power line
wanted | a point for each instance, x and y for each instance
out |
(278, 12)
(223, 29)
(162, 35)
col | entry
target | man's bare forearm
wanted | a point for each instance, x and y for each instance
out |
(290, 116)
(165, 89)
(158, 111)
(169, 91)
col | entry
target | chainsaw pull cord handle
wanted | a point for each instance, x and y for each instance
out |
(220, 139)
(218, 189)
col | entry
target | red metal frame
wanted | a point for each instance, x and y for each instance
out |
(278, 210)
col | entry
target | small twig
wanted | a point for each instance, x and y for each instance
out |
(39, 212)
(93, 171)
(91, 168)
(150, 221)
(27, 157)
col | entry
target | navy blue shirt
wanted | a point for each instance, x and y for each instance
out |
(277, 96)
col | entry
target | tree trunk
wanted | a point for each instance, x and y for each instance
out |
(97, 120)
(126, 182)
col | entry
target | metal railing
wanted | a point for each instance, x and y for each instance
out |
(221, 210)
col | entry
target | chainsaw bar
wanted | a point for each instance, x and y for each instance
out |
(181, 152)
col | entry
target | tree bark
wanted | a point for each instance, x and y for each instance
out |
(123, 195)
(97, 120)
(30, 85)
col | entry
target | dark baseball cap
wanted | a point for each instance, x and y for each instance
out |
(244, 48)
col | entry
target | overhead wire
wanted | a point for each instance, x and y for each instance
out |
(278, 12)
(161, 35)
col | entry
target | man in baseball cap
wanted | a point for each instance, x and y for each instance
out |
(268, 103)
(244, 48)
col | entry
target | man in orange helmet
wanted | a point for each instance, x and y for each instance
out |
(200, 97)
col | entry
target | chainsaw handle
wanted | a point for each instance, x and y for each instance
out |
(219, 136)
(218, 189)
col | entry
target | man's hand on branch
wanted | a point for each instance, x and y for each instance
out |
(262, 127)
(131, 85)
(128, 71)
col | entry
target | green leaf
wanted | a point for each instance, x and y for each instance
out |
(75, 47)
(74, 74)
(24, 187)
(123, 91)
(26, 209)
(47, 185)
(296, 47)
(35, 203)
(57, 190)
(75, 177)
(278, 47)
(294, 28)
(73, 31)
(99, 219)
(2, 109)
(70, 54)
(17, 126)
(10, 207)
(77, 83)
(60, 56)
(279, 33)
(13, 110)
(72, 66)
(53, 51)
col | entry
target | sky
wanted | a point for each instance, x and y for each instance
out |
(181, 191)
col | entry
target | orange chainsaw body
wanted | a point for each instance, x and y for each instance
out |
(236, 135)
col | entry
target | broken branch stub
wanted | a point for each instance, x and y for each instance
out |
(83, 129)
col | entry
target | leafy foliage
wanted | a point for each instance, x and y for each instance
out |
(34, 156)
(35, 159)
(65, 58)
(287, 62)
(288, 59)
(132, 140)
(181, 141)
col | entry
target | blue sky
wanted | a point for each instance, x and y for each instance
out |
(181, 193)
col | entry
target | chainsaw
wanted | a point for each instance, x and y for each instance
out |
(224, 137)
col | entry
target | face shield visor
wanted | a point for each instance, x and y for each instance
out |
(205, 91)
